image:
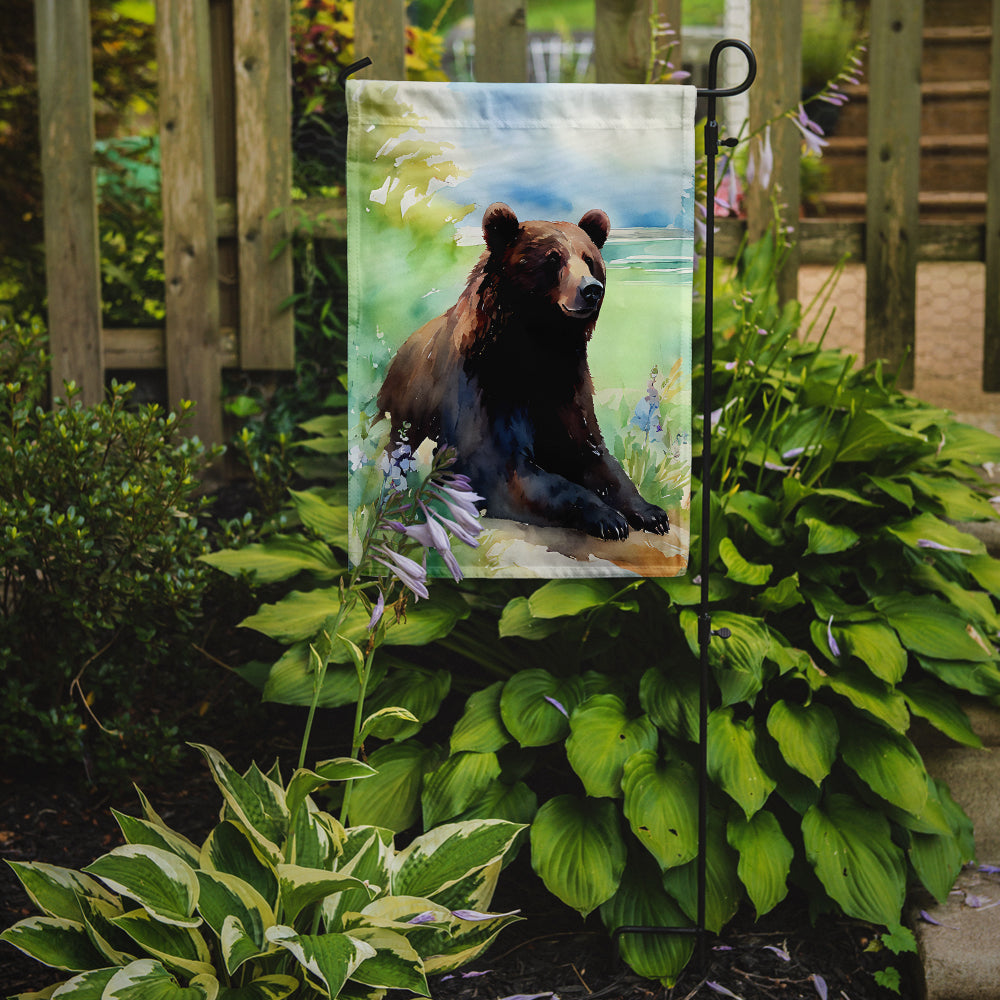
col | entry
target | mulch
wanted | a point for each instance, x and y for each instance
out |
(551, 953)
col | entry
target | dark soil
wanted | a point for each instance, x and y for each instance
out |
(551, 952)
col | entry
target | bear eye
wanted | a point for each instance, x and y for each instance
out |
(553, 260)
(589, 261)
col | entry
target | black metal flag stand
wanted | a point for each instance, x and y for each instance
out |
(705, 631)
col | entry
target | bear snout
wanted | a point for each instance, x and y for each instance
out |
(591, 291)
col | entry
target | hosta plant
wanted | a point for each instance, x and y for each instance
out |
(280, 899)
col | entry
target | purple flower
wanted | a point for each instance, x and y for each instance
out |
(927, 543)
(475, 915)
(377, 611)
(557, 704)
(410, 573)
(820, 983)
(427, 917)
(811, 132)
(719, 988)
(834, 648)
(461, 504)
(761, 163)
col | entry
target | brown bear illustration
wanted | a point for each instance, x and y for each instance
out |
(502, 377)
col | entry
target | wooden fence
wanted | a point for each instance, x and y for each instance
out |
(226, 161)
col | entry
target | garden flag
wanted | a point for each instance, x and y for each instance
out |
(520, 273)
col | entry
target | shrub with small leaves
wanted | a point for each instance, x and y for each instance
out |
(99, 574)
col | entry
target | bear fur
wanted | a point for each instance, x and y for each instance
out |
(502, 377)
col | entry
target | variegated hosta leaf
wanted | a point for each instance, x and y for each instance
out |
(256, 801)
(158, 880)
(732, 760)
(578, 851)
(177, 947)
(315, 839)
(661, 799)
(86, 986)
(300, 887)
(116, 946)
(304, 782)
(395, 964)
(54, 941)
(328, 959)
(642, 902)
(147, 979)
(765, 858)
(441, 857)
(850, 847)
(468, 939)
(56, 891)
(602, 737)
(225, 897)
(275, 987)
(367, 854)
(230, 849)
(141, 831)
(807, 736)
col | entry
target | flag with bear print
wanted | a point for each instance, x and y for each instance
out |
(520, 269)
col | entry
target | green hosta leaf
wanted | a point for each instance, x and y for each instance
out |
(876, 646)
(260, 809)
(661, 798)
(965, 443)
(850, 847)
(395, 964)
(330, 959)
(518, 621)
(870, 435)
(732, 760)
(783, 595)
(739, 569)
(975, 605)
(516, 803)
(671, 700)
(141, 831)
(456, 784)
(937, 860)
(279, 558)
(931, 628)
(441, 857)
(723, 889)
(327, 520)
(230, 849)
(738, 661)
(56, 891)
(765, 858)
(180, 948)
(641, 901)
(54, 941)
(758, 511)
(893, 488)
(301, 887)
(275, 987)
(956, 500)
(481, 728)
(418, 691)
(391, 798)
(159, 881)
(928, 528)
(559, 598)
(941, 709)
(292, 679)
(578, 851)
(828, 539)
(888, 763)
(530, 706)
(602, 738)
(976, 678)
(807, 736)
(226, 898)
(986, 572)
(147, 979)
(864, 691)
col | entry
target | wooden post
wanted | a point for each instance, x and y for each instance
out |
(893, 183)
(501, 41)
(380, 34)
(991, 333)
(190, 254)
(776, 34)
(72, 256)
(623, 37)
(262, 60)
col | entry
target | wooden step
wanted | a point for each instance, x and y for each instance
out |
(958, 206)
(945, 12)
(956, 53)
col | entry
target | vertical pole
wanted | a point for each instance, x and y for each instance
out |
(991, 333)
(380, 34)
(190, 250)
(776, 32)
(501, 41)
(72, 256)
(893, 183)
(262, 62)
(623, 37)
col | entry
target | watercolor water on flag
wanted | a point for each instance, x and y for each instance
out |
(520, 272)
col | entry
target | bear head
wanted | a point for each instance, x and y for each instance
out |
(552, 271)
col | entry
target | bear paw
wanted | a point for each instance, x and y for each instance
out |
(650, 518)
(606, 523)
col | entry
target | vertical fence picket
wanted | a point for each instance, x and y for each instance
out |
(776, 34)
(190, 253)
(72, 257)
(622, 39)
(380, 34)
(261, 58)
(893, 183)
(991, 332)
(501, 41)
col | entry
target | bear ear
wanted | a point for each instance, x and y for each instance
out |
(500, 226)
(596, 225)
